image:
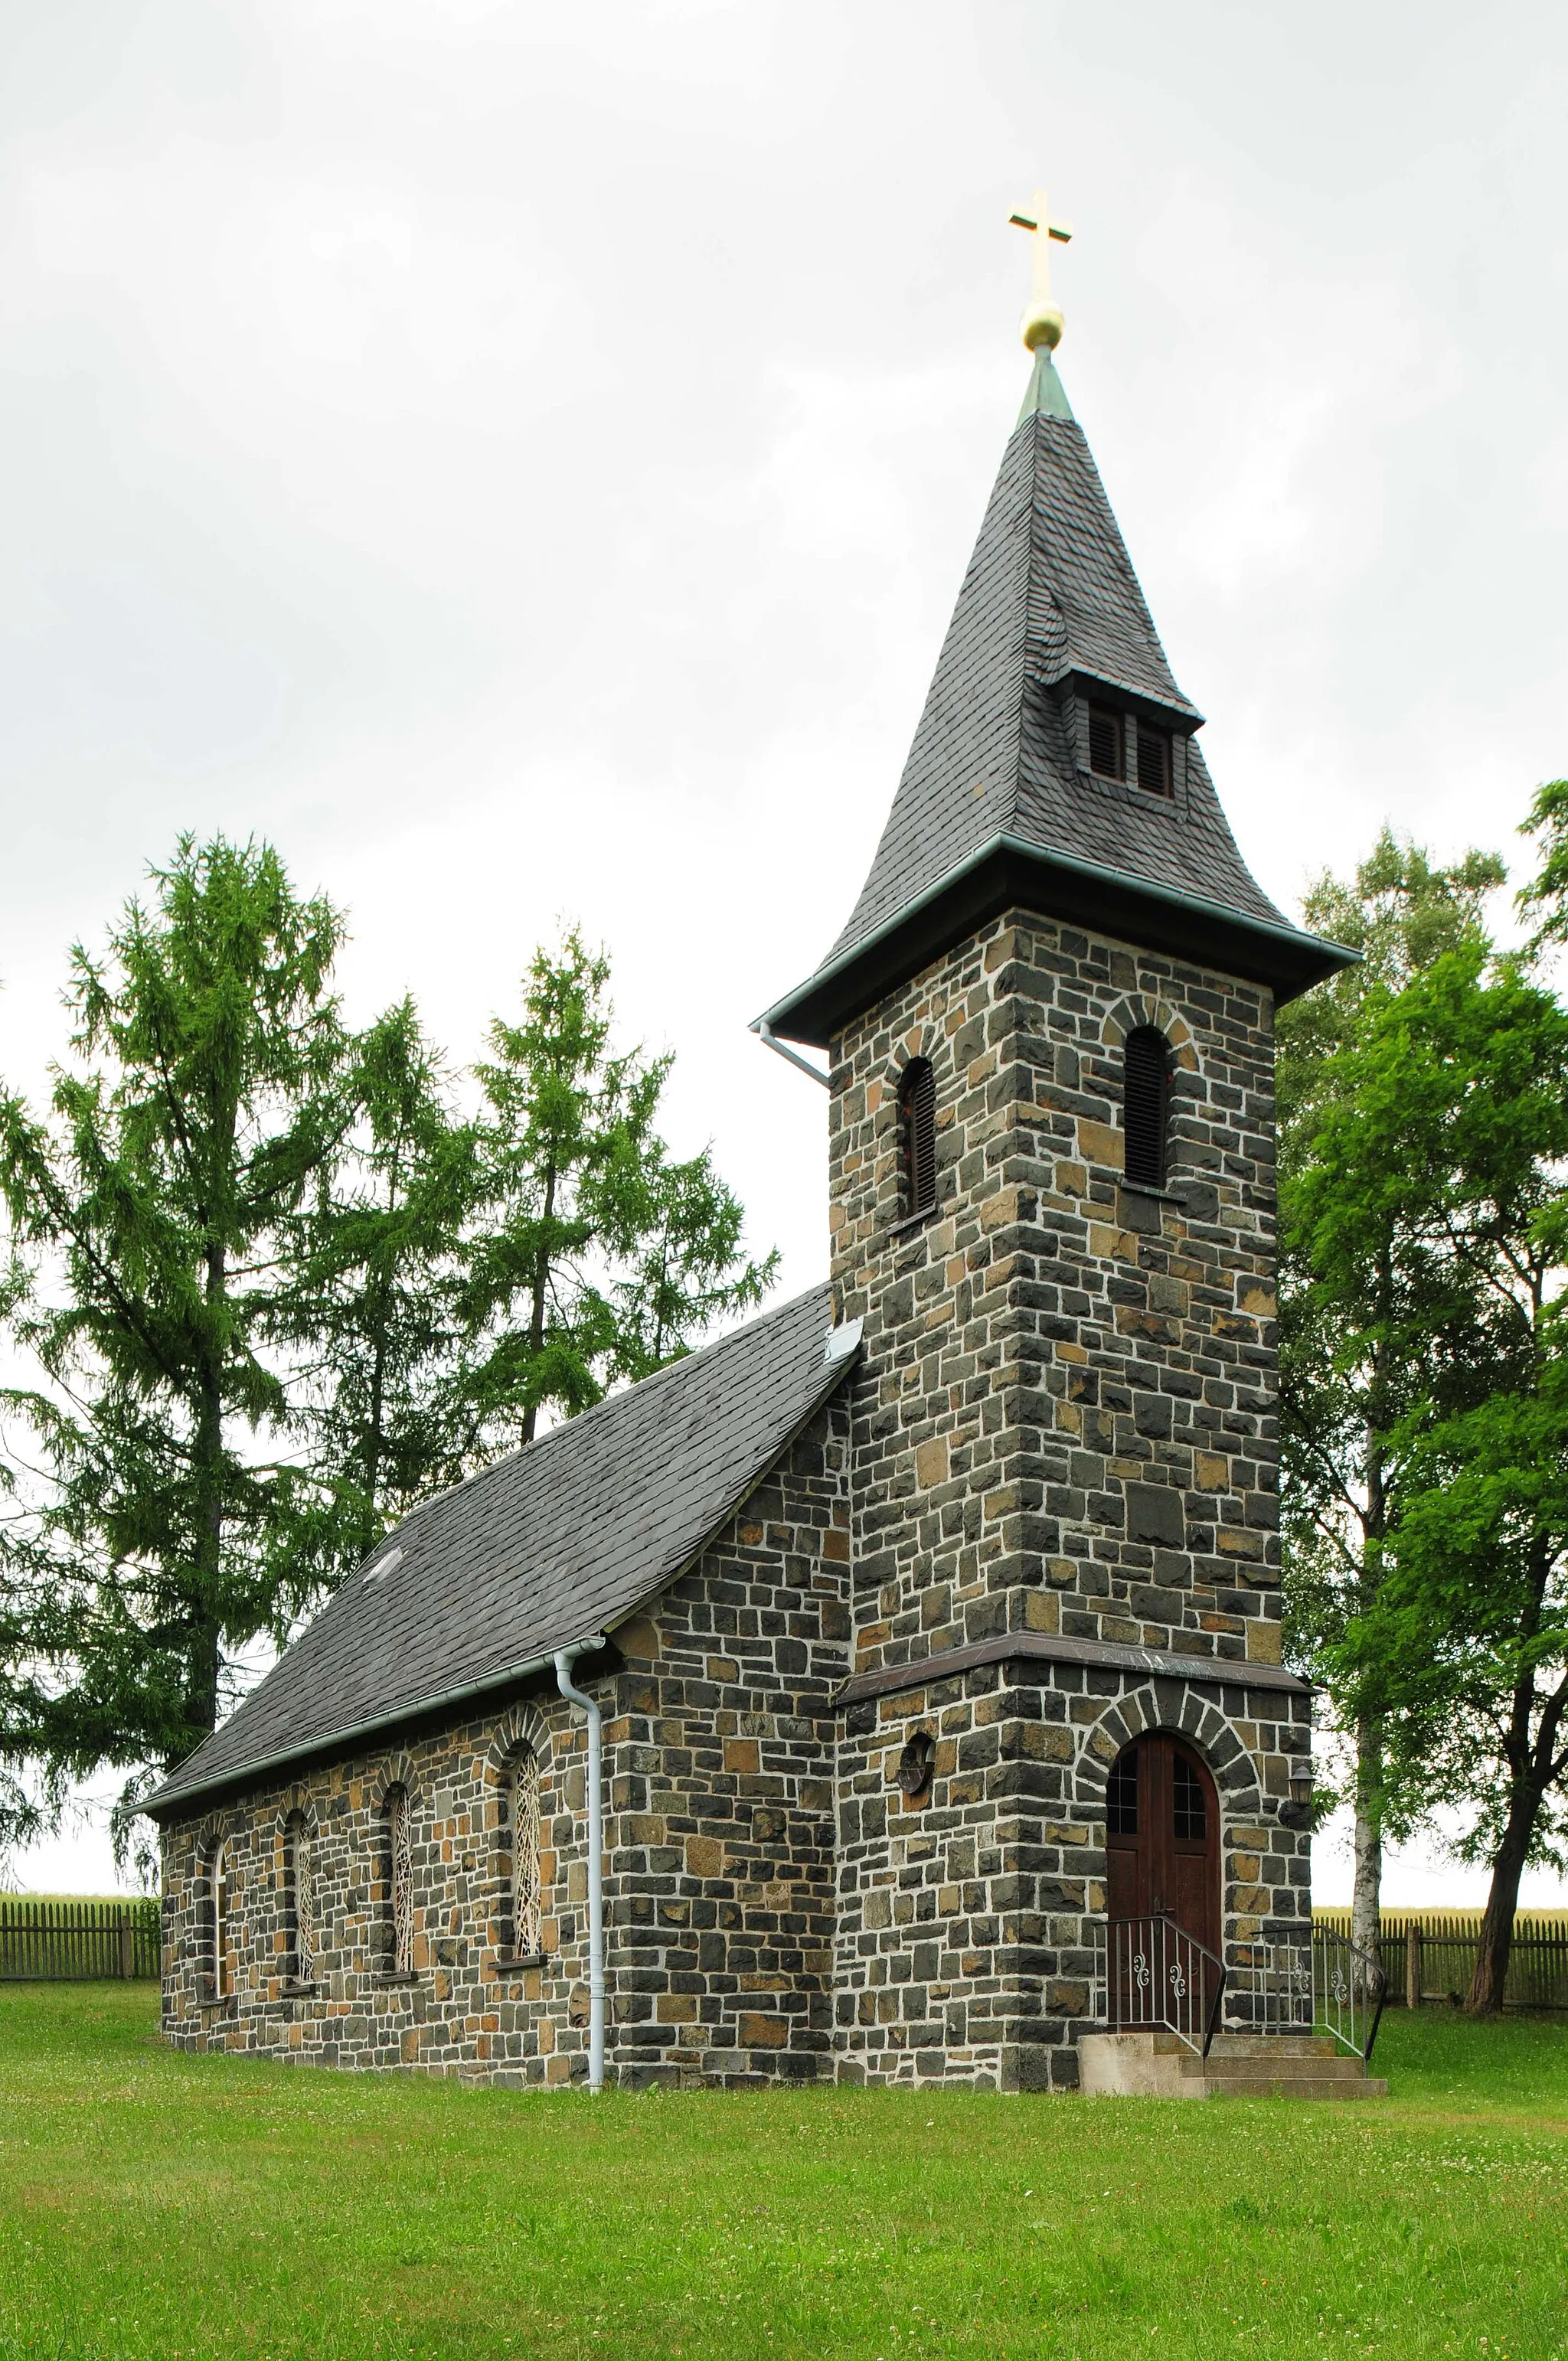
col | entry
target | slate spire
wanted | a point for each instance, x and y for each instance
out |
(1004, 800)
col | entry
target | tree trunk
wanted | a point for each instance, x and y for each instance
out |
(207, 1455)
(1485, 1996)
(1366, 1917)
(536, 1309)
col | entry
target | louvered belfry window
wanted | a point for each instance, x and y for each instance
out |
(1105, 742)
(1153, 761)
(918, 1136)
(1145, 1099)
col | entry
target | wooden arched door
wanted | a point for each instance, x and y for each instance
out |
(1162, 1836)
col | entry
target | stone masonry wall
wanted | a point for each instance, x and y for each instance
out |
(1067, 1419)
(1064, 1424)
(718, 1831)
(968, 1945)
(721, 1898)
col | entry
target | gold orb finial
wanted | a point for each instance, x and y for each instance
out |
(1042, 321)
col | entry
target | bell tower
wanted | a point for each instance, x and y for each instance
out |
(1049, 1021)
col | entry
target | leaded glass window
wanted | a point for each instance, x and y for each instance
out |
(402, 1880)
(223, 1913)
(300, 1867)
(526, 1897)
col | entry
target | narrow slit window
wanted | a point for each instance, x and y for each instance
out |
(1106, 754)
(1153, 761)
(400, 1884)
(223, 1921)
(1146, 1106)
(918, 1136)
(300, 1898)
(522, 1930)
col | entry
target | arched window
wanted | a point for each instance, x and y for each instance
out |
(1146, 1095)
(522, 1896)
(918, 1136)
(400, 1884)
(222, 1919)
(300, 1898)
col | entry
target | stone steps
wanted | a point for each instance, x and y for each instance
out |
(1239, 2066)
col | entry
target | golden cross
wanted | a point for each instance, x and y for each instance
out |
(1042, 323)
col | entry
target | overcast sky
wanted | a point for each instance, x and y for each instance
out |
(521, 460)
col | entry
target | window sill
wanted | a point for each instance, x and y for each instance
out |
(385, 1979)
(215, 2004)
(1165, 1196)
(289, 1990)
(911, 1222)
(518, 1963)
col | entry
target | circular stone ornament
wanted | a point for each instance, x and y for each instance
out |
(916, 1764)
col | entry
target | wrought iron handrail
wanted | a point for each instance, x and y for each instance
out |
(1323, 1984)
(1349, 1988)
(1160, 1978)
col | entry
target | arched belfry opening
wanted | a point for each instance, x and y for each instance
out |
(1145, 1101)
(918, 1137)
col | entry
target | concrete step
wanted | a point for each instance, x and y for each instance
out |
(1329, 2064)
(1294, 2086)
(1277, 2045)
(1239, 2065)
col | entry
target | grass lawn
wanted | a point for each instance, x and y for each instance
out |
(169, 2207)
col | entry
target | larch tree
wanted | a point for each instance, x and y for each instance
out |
(369, 1313)
(160, 1525)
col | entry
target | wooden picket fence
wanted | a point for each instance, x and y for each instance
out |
(1430, 1955)
(47, 1939)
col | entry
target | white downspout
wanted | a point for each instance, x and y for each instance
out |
(565, 1658)
(769, 1040)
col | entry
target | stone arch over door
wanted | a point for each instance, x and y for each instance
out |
(1190, 1716)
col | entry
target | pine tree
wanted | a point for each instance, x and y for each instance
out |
(593, 1256)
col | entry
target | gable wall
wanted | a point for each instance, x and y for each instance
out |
(720, 1854)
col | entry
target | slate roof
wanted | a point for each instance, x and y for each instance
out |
(1051, 602)
(554, 1544)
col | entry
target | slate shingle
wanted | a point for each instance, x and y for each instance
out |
(551, 1544)
(1050, 597)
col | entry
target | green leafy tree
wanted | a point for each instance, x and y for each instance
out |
(370, 1308)
(593, 1256)
(1545, 898)
(1453, 1136)
(162, 1528)
(1359, 1329)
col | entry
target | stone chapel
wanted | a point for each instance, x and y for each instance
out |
(828, 1706)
